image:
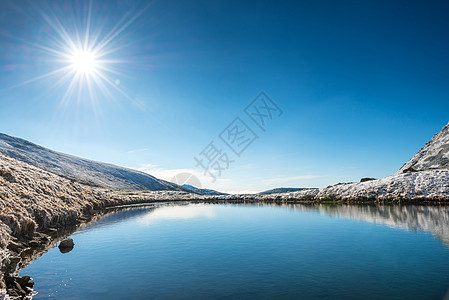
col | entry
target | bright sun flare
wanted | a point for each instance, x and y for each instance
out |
(86, 55)
(84, 62)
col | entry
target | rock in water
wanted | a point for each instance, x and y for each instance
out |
(66, 245)
(433, 156)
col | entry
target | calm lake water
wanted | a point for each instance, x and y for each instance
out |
(226, 251)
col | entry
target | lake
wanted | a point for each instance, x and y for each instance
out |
(257, 251)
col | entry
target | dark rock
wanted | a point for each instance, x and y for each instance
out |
(367, 179)
(15, 247)
(12, 263)
(44, 239)
(410, 170)
(12, 292)
(9, 280)
(34, 244)
(19, 286)
(8, 176)
(19, 289)
(25, 281)
(66, 245)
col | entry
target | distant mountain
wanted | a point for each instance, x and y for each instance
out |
(433, 156)
(202, 191)
(281, 190)
(188, 186)
(83, 170)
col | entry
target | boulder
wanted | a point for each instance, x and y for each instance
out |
(66, 245)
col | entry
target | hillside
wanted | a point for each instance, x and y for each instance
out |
(82, 170)
(202, 191)
(433, 156)
(425, 178)
(281, 190)
(34, 203)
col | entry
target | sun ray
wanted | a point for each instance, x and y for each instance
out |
(83, 54)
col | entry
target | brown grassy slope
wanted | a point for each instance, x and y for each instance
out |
(34, 200)
(31, 198)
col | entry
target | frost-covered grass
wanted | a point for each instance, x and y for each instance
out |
(420, 187)
(33, 200)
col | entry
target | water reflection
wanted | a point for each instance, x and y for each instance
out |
(119, 215)
(432, 219)
(178, 212)
(258, 250)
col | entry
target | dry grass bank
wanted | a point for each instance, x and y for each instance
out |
(34, 202)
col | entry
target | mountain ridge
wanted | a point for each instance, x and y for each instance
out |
(433, 156)
(84, 170)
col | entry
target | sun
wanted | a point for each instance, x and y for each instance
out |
(84, 62)
(86, 54)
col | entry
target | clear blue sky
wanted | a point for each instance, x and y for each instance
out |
(363, 85)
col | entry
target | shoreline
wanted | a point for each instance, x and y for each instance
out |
(26, 251)
(21, 251)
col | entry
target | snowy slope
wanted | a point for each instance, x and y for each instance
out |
(281, 190)
(425, 178)
(202, 191)
(433, 156)
(87, 171)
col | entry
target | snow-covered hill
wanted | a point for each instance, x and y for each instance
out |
(433, 156)
(281, 190)
(83, 170)
(202, 191)
(424, 178)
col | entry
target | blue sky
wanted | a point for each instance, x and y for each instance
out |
(363, 85)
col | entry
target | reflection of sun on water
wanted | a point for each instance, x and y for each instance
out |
(186, 212)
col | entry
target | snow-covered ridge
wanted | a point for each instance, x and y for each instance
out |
(281, 190)
(424, 178)
(87, 171)
(433, 156)
(202, 191)
(432, 186)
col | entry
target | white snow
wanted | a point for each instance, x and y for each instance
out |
(91, 172)
(433, 156)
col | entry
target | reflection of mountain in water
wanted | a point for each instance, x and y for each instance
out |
(431, 219)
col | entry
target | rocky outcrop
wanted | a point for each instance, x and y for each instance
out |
(19, 287)
(433, 156)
